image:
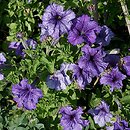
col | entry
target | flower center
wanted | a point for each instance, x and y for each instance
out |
(72, 117)
(103, 109)
(91, 58)
(114, 79)
(58, 17)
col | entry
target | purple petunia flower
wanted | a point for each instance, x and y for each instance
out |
(101, 114)
(1, 76)
(31, 43)
(14, 45)
(2, 59)
(19, 35)
(83, 77)
(126, 64)
(26, 95)
(92, 60)
(105, 36)
(18, 46)
(56, 21)
(119, 125)
(112, 59)
(113, 78)
(71, 119)
(83, 30)
(44, 32)
(59, 80)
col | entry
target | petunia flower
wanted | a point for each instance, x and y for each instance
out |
(59, 80)
(92, 60)
(26, 95)
(82, 76)
(101, 114)
(119, 125)
(1, 76)
(112, 59)
(71, 119)
(126, 64)
(105, 36)
(2, 59)
(56, 21)
(113, 78)
(83, 30)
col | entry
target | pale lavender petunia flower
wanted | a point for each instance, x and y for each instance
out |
(126, 64)
(101, 114)
(105, 36)
(113, 78)
(59, 80)
(92, 60)
(26, 95)
(1, 76)
(83, 30)
(44, 32)
(19, 35)
(2, 59)
(14, 45)
(56, 21)
(31, 43)
(71, 119)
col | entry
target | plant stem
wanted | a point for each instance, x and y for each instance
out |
(126, 13)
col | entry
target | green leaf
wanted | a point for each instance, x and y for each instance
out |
(39, 126)
(126, 99)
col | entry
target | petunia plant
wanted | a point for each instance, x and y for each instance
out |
(62, 68)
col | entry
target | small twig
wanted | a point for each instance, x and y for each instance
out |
(95, 11)
(126, 13)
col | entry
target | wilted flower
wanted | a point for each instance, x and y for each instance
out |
(26, 95)
(59, 80)
(92, 60)
(112, 59)
(113, 78)
(1, 76)
(101, 114)
(105, 36)
(71, 119)
(2, 59)
(83, 30)
(56, 21)
(126, 64)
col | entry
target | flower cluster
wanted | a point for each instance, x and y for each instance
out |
(93, 63)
